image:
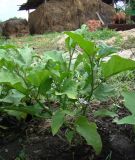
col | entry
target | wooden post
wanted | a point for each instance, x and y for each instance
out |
(99, 17)
(113, 2)
(28, 13)
(45, 1)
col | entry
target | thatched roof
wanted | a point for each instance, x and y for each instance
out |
(33, 4)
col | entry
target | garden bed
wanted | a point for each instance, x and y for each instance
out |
(33, 141)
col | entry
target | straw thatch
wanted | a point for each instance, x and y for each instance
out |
(33, 4)
(67, 15)
(15, 27)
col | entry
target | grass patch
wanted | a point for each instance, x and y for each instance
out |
(103, 34)
(40, 43)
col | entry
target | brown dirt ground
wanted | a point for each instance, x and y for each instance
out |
(32, 140)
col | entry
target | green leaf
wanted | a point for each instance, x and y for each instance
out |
(69, 112)
(38, 76)
(69, 135)
(69, 88)
(78, 61)
(104, 113)
(116, 65)
(25, 56)
(105, 50)
(104, 91)
(7, 47)
(8, 77)
(19, 87)
(9, 64)
(70, 44)
(57, 121)
(19, 115)
(34, 110)
(87, 46)
(13, 97)
(129, 98)
(126, 120)
(55, 56)
(45, 86)
(89, 132)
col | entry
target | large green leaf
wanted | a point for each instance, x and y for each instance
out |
(105, 50)
(45, 85)
(104, 91)
(116, 65)
(34, 110)
(38, 76)
(69, 88)
(57, 121)
(53, 55)
(78, 61)
(70, 44)
(13, 97)
(129, 98)
(104, 113)
(8, 77)
(7, 47)
(87, 46)
(126, 120)
(20, 87)
(19, 115)
(9, 64)
(25, 56)
(89, 132)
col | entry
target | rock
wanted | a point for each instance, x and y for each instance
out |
(0, 28)
(15, 27)
(129, 53)
(61, 42)
(110, 41)
(128, 33)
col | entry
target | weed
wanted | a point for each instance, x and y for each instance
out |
(22, 156)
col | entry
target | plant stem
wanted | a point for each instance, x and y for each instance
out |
(46, 109)
(70, 59)
(92, 78)
(68, 70)
(92, 84)
(18, 73)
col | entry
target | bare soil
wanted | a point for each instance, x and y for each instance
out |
(32, 140)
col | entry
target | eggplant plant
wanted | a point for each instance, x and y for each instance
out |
(59, 85)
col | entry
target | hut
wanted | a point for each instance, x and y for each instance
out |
(61, 15)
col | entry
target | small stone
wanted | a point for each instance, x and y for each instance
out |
(6, 150)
